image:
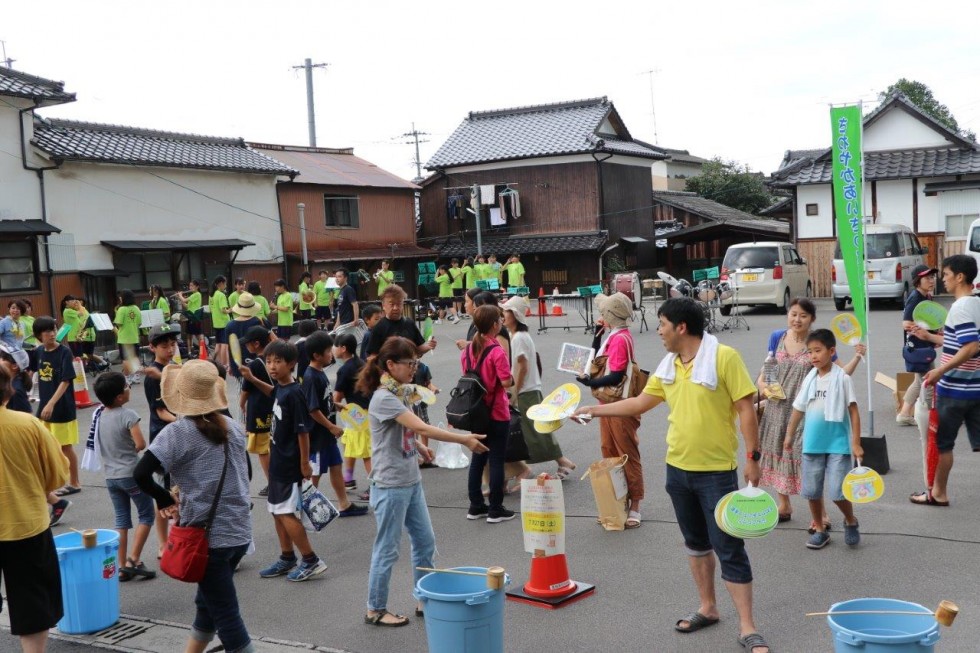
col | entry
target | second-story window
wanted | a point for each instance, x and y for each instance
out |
(341, 211)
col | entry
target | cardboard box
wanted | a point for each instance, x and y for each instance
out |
(898, 385)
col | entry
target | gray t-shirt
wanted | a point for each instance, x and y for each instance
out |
(393, 450)
(194, 464)
(116, 444)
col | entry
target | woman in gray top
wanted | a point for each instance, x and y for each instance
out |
(396, 483)
(194, 450)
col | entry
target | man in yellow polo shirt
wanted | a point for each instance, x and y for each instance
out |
(702, 448)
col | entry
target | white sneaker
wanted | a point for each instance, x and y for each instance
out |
(905, 420)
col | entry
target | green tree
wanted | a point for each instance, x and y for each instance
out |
(921, 96)
(732, 184)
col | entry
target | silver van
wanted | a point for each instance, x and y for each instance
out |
(765, 273)
(892, 250)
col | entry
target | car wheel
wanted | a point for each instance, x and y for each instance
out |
(726, 310)
(809, 290)
(786, 301)
(840, 304)
(905, 295)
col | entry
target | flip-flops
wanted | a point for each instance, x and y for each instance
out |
(67, 491)
(926, 499)
(633, 520)
(376, 620)
(695, 621)
(753, 640)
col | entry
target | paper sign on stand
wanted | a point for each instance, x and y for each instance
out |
(151, 318)
(543, 511)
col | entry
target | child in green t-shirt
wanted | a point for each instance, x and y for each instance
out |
(306, 296)
(127, 321)
(284, 310)
(324, 298)
(220, 315)
(445, 303)
(191, 301)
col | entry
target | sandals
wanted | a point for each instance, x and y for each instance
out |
(376, 620)
(633, 520)
(926, 499)
(753, 640)
(135, 570)
(67, 491)
(695, 621)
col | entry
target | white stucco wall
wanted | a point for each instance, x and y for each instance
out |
(894, 202)
(898, 130)
(814, 226)
(96, 202)
(20, 197)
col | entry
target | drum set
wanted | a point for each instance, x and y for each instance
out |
(707, 293)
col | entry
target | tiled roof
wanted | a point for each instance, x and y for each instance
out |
(715, 212)
(331, 167)
(897, 164)
(539, 131)
(778, 205)
(83, 141)
(682, 156)
(579, 242)
(14, 83)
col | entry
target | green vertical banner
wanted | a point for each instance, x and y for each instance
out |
(848, 204)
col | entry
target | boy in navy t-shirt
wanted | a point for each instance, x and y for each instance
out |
(357, 442)
(831, 435)
(324, 452)
(56, 408)
(289, 466)
(257, 397)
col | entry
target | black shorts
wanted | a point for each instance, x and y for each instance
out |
(284, 332)
(220, 337)
(458, 293)
(306, 314)
(323, 312)
(76, 348)
(33, 579)
(88, 347)
(445, 302)
(193, 328)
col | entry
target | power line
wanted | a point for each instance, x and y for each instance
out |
(417, 162)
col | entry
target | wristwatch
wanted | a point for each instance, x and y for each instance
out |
(753, 456)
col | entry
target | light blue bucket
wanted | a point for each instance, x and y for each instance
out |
(882, 633)
(462, 615)
(89, 582)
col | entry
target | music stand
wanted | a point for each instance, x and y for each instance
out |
(735, 318)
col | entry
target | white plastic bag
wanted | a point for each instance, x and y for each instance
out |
(450, 455)
(315, 510)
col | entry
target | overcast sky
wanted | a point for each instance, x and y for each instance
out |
(740, 80)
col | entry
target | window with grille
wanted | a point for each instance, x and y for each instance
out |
(341, 211)
(18, 265)
(554, 277)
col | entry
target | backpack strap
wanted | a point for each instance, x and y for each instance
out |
(483, 355)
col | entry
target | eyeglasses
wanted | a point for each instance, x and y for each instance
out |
(412, 364)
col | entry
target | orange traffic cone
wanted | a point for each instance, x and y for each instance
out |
(80, 386)
(203, 354)
(549, 577)
(556, 310)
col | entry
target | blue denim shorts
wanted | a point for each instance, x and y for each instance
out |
(829, 467)
(121, 492)
(695, 495)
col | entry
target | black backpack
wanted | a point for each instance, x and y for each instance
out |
(467, 409)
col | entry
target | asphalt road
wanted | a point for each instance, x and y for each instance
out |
(919, 554)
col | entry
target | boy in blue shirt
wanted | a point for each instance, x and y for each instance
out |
(324, 452)
(831, 435)
(289, 466)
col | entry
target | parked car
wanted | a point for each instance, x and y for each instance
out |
(892, 251)
(767, 273)
(973, 249)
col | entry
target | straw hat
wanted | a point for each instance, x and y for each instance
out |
(194, 388)
(246, 305)
(616, 309)
(518, 306)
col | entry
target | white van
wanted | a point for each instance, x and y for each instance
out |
(973, 249)
(892, 251)
(765, 273)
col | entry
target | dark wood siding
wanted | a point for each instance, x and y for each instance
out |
(626, 201)
(554, 198)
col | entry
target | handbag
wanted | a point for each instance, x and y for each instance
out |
(918, 359)
(516, 445)
(637, 378)
(316, 510)
(185, 557)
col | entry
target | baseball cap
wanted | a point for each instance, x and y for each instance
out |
(161, 331)
(255, 334)
(21, 359)
(920, 271)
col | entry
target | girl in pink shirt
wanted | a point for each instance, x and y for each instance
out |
(496, 376)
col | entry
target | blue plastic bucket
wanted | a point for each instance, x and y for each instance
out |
(89, 582)
(882, 633)
(461, 614)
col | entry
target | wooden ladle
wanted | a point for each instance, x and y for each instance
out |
(494, 575)
(944, 614)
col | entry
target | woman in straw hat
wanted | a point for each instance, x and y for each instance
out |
(527, 387)
(195, 450)
(618, 434)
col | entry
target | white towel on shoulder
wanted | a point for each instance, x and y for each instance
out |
(834, 404)
(705, 370)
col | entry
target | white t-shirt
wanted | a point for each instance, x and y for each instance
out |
(521, 344)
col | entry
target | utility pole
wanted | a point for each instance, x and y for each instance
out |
(414, 135)
(6, 60)
(308, 66)
(653, 106)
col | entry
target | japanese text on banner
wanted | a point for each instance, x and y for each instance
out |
(847, 180)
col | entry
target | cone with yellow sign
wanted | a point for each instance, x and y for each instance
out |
(543, 511)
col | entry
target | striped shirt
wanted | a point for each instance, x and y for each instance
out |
(961, 328)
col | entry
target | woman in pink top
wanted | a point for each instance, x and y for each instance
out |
(496, 376)
(618, 434)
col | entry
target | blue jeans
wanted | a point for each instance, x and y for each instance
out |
(217, 602)
(396, 508)
(496, 441)
(825, 469)
(695, 495)
(121, 492)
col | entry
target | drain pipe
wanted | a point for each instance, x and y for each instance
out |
(44, 202)
(604, 252)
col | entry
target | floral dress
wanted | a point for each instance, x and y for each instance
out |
(779, 471)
